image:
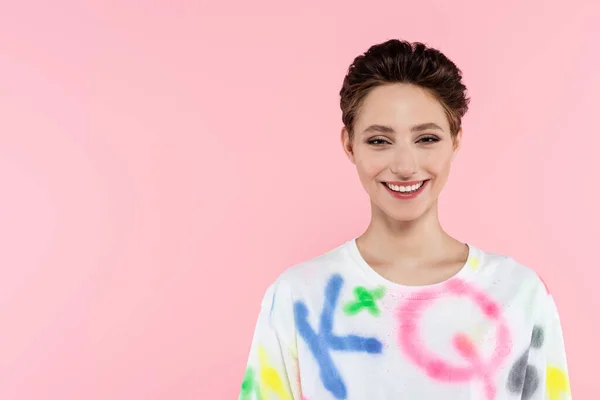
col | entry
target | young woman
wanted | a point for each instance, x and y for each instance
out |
(405, 311)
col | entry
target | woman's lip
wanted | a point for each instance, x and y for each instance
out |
(405, 183)
(404, 195)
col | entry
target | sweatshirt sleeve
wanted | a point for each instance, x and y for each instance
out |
(272, 366)
(557, 377)
(547, 357)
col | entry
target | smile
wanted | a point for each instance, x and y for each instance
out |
(406, 190)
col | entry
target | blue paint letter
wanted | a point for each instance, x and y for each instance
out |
(322, 343)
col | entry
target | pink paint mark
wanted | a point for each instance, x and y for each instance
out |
(465, 346)
(409, 315)
(544, 282)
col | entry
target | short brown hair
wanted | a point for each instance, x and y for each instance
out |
(397, 61)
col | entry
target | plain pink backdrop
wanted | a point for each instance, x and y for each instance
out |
(161, 162)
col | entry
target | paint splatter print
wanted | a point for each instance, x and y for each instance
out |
(270, 378)
(524, 378)
(437, 366)
(250, 386)
(473, 263)
(557, 383)
(333, 328)
(365, 300)
(324, 342)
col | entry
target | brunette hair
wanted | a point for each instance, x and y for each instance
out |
(397, 61)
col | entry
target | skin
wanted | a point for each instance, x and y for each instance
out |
(405, 242)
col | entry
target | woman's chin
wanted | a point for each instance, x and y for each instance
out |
(402, 215)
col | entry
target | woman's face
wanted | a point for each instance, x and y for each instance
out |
(401, 142)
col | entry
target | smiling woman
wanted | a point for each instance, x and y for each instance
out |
(403, 138)
(405, 310)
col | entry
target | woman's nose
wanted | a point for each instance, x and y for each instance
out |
(404, 163)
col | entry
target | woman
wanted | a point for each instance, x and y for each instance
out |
(405, 311)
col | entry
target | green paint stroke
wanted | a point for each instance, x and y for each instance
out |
(365, 299)
(249, 386)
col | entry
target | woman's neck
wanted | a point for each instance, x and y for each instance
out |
(407, 243)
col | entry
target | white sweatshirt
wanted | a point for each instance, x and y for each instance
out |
(333, 328)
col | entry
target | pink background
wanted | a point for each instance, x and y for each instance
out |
(162, 162)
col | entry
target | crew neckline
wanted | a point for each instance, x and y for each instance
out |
(466, 273)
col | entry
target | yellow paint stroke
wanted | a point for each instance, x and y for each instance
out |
(270, 378)
(479, 332)
(474, 263)
(557, 383)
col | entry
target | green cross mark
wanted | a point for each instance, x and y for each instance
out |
(365, 299)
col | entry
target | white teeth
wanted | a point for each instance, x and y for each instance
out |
(404, 189)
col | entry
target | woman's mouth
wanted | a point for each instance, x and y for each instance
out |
(408, 190)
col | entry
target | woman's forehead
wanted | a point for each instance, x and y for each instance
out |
(401, 107)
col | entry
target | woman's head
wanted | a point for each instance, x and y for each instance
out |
(402, 106)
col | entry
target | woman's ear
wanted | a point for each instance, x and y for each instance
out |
(347, 144)
(457, 143)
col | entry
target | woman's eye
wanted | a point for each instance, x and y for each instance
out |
(377, 141)
(429, 139)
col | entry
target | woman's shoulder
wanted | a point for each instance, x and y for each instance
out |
(305, 274)
(508, 271)
(302, 280)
